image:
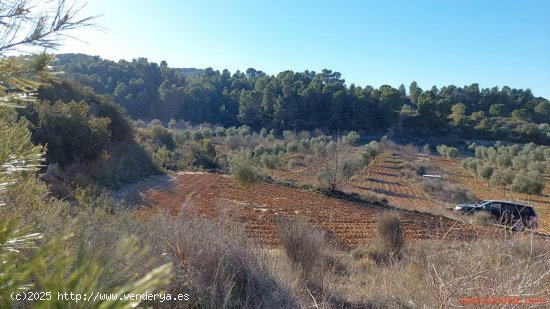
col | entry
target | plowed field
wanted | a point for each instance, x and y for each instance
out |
(382, 176)
(259, 207)
(460, 176)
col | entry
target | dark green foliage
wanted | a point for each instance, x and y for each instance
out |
(160, 136)
(308, 100)
(243, 168)
(70, 130)
(502, 177)
(204, 154)
(528, 182)
(447, 152)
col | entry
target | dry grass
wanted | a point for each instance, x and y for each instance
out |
(391, 234)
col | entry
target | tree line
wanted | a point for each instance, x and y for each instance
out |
(309, 100)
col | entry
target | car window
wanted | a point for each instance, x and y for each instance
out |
(527, 210)
(495, 206)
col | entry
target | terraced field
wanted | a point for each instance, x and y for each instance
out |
(258, 209)
(460, 176)
(382, 176)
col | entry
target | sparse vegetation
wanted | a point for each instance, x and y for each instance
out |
(335, 163)
(447, 152)
(391, 234)
(243, 168)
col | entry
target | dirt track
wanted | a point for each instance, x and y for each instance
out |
(259, 207)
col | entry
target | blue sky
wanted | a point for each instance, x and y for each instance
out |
(434, 42)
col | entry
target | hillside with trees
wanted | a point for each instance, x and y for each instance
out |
(309, 100)
(132, 184)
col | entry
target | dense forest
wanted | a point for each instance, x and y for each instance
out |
(309, 100)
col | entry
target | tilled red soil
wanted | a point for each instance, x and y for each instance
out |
(259, 208)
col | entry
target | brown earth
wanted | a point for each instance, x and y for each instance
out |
(457, 174)
(382, 176)
(259, 207)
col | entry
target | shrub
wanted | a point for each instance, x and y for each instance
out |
(293, 147)
(470, 164)
(161, 136)
(502, 177)
(373, 149)
(232, 131)
(528, 182)
(220, 132)
(204, 154)
(243, 169)
(305, 144)
(536, 166)
(244, 130)
(485, 171)
(390, 233)
(172, 124)
(353, 138)
(235, 142)
(334, 164)
(197, 135)
(447, 152)
(304, 246)
(504, 160)
(155, 122)
(409, 152)
(263, 133)
(520, 162)
(270, 161)
(277, 149)
(259, 150)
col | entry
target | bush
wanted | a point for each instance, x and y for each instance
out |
(270, 161)
(161, 136)
(243, 169)
(353, 138)
(259, 150)
(304, 246)
(373, 149)
(277, 149)
(536, 166)
(471, 164)
(220, 132)
(447, 152)
(520, 162)
(504, 160)
(390, 233)
(528, 182)
(232, 131)
(485, 171)
(293, 147)
(244, 130)
(502, 177)
(409, 152)
(334, 164)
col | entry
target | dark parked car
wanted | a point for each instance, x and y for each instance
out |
(518, 216)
